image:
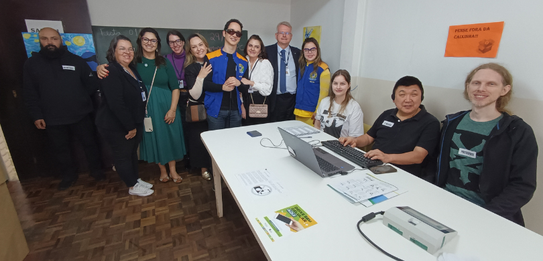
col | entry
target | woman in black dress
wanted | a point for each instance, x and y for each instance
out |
(195, 72)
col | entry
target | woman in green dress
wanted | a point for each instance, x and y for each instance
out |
(165, 144)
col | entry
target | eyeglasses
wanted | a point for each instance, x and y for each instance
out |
(176, 42)
(147, 40)
(126, 50)
(233, 32)
(284, 33)
(310, 50)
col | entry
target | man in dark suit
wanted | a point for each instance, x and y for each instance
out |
(284, 59)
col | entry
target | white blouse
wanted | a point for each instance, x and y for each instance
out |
(262, 75)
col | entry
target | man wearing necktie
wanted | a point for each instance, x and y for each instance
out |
(284, 59)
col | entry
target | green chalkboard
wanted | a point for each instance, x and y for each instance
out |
(104, 34)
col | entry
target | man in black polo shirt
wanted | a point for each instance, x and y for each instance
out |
(404, 136)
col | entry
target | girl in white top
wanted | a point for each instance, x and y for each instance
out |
(259, 80)
(339, 114)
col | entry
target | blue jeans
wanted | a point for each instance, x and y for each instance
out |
(225, 119)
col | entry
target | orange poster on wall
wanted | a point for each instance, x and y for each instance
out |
(474, 40)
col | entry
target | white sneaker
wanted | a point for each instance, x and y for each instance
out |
(145, 184)
(140, 190)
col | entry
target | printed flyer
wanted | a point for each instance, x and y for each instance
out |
(285, 222)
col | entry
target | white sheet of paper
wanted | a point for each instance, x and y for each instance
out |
(34, 26)
(360, 189)
(261, 183)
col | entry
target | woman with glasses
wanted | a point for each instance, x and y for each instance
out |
(120, 116)
(258, 86)
(195, 73)
(313, 81)
(164, 144)
(176, 41)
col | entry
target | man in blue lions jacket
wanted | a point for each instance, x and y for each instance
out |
(222, 100)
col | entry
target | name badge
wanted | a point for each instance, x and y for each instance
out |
(388, 124)
(181, 84)
(68, 67)
(467, 153)
(143, 97)
(286, 70)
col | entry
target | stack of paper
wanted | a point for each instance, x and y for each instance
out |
(301, 130)
(362, 188)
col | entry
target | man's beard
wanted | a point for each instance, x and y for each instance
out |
(51, 51)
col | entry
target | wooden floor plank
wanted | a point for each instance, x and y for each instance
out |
(100, 221)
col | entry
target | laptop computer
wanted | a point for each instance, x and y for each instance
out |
(317, 159)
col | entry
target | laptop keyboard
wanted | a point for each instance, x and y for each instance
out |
(325, 165)
(351, 154)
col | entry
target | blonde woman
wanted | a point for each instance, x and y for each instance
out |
(339, 114)
(313, 81)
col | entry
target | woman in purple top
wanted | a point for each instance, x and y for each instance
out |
(176, 41)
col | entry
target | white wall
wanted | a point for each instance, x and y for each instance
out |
(329, 15)
(408, 38)
(257, 16)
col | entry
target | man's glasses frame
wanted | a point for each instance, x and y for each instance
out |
(233, 32)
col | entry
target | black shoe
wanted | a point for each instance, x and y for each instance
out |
(65, 184)
(98, 176)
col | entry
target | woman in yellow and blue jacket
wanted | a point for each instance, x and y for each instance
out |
(313, 81)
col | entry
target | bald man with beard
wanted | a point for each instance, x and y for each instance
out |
(58, 86)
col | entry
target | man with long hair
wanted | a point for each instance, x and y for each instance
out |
(488, 156)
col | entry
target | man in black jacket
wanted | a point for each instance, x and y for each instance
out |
(486, 155)
(284, 59)
(57, 89)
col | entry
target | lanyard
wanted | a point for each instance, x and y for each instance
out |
(254, 66)
(178, 73)
(135, 78)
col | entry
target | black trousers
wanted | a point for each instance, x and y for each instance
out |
(60, 140)
(284, 107)
(183, 100)
(124, 152)
(200, 158)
